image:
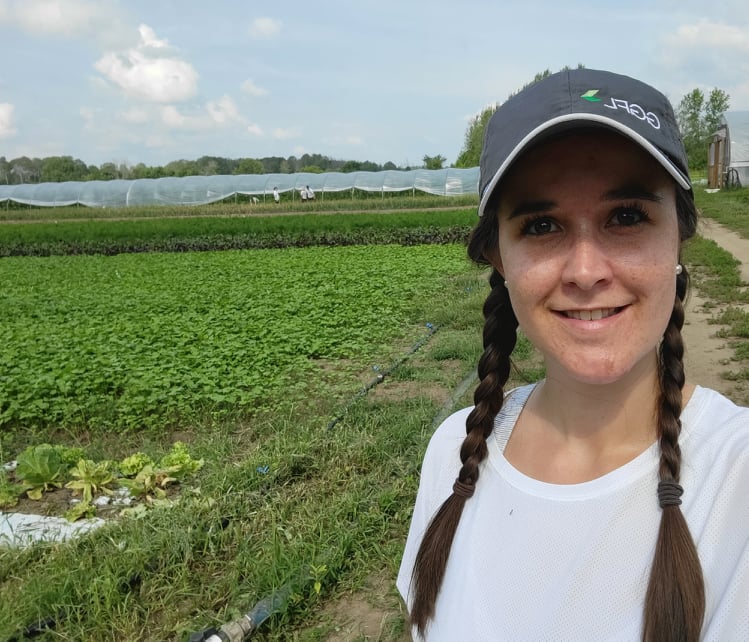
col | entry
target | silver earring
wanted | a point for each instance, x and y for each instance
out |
(505, 284)
(679, 269)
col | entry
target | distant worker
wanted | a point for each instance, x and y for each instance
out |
(303, 194)
(255, 200)
(276, 195)
(310, 194)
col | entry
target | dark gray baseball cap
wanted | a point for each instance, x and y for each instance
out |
(581, 98)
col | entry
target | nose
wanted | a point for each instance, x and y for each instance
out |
(586, 263)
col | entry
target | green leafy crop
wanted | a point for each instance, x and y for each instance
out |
(133, 464)
(179, 463)
(90, 477)
(40, 468)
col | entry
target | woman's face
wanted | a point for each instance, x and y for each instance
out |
(588, 244)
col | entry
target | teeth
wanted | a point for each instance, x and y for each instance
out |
(590, 315)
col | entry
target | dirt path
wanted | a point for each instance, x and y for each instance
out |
(707, 356)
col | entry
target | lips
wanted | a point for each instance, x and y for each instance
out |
(591, 315)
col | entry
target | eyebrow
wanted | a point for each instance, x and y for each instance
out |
(531, 207)
(626, 193)
(631, 192)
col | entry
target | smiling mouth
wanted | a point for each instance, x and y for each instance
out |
(591, 315)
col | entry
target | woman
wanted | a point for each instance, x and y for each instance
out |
(555, 512)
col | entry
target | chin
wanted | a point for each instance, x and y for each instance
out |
(601, 372)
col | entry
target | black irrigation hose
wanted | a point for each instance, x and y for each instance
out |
(382, 374)
(39, 627)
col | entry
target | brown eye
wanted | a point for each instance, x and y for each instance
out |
(539, 226)
(629, 216)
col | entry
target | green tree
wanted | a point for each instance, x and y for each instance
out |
(25, 170)
(470, 155)
(698, 120)
(248, 166)
(474, 138)
(5, 170)
(434, 162)
(369, 166)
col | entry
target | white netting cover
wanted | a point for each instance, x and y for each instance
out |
(198, 190)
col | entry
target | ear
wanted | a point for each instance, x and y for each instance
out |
(495, 259)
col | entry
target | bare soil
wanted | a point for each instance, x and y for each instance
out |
(707, 356)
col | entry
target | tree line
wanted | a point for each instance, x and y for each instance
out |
(698, 116)
(54, 169)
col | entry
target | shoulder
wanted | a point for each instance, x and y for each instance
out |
(712, 419)
(716, 439)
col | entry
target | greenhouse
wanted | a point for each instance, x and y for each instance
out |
(728, 157)
(199, 190)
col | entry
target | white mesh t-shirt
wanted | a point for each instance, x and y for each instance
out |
(534, 561)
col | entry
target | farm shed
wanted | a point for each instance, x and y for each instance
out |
(198, 190)
(728, 156)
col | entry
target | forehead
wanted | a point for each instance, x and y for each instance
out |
(581, 155)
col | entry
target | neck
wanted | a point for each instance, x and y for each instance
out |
(620, 411)
(570, 431)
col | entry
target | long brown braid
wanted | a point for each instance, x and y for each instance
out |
(675, 599)
(674, 602)
(493, 370)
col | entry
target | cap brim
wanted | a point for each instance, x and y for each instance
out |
(571, 121)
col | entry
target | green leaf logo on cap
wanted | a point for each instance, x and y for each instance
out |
(590, 96)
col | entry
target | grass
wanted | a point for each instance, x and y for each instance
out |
(728, 207)
(715, 272)
(283, 501)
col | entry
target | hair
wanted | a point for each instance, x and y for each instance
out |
(674, 602)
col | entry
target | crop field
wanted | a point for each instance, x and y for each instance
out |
(307, 379)
(306, 375)
(43, 238)
(154, 340)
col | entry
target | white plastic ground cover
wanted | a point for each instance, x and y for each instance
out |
(199, 190)
(20, 530)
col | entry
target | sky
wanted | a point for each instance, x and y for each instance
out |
(152, 81)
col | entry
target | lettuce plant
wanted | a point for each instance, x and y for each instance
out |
(40, 468)
(89, 478)
(179, 463)
(132, 465)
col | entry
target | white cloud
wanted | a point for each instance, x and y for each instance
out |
(56, 17)
(135, 116)
(6, 120)
(707, 54)
(712, 35)
(149, 39)
(264, 28)
(222, 111)
(254, 129)
(87, 114)
(249, 87)
(299, 151)
(283, 134)
(351, 138)
(217, 113)
(148, 71)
